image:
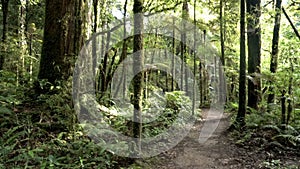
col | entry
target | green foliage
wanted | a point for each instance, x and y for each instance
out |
(45, 134)
(177, 100)
(8, 90)
(273, 164)
(276, 164)
(65, 150)
(160, 111)
(265, 130)
(288, 139)
(42, 132)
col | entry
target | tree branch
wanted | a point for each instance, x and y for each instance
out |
(291, 23)
(267, 3)
(162, 10)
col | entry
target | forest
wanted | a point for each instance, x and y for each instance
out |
(136, 84)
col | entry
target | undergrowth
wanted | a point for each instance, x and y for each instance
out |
(43, 133)
(264, 133)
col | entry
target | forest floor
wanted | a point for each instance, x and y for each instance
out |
(219, 151)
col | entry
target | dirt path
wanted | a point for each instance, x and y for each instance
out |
(191, 154)
(217, 152)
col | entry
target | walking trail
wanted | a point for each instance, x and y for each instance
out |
(219, 151)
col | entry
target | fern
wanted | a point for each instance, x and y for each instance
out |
(276, 144)
(297, 140)
(291, 130)
(10, 136)
(293, 140)
(272, 127)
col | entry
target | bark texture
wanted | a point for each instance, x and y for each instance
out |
(4, 4)
(137, 70)
(275, 41)
(63, 38)
(254, 51)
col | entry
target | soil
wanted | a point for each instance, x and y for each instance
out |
(219, 151)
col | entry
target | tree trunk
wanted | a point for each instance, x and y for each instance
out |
(95, 8)
(254, 47)
(174, 52)
(220, 65)
(240, 118)
(185, 17)
(222, 34)
(274, 54)
(203, 75)
(63, 39)
(194, 54)
(123, 56)
(94, 42)
(29, 31)
(290, 90)
(104, 71)
(22, 43)
(138, 62)
(4, 4)
(124, 49)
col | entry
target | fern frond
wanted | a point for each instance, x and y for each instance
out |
(291, 130)
(286, 138)
(272, 127)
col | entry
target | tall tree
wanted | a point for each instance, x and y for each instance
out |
(222, 33)
(222, 40)
(254, 51)
(95, 8)
(174, 51)
(95, 25)
(124, 49)
(274, 53)
(63, 38)
(4, 4)
(194, 58)
(138, 62)
(240, 118)
(22, 40)
(203, 73)
(185, 17)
